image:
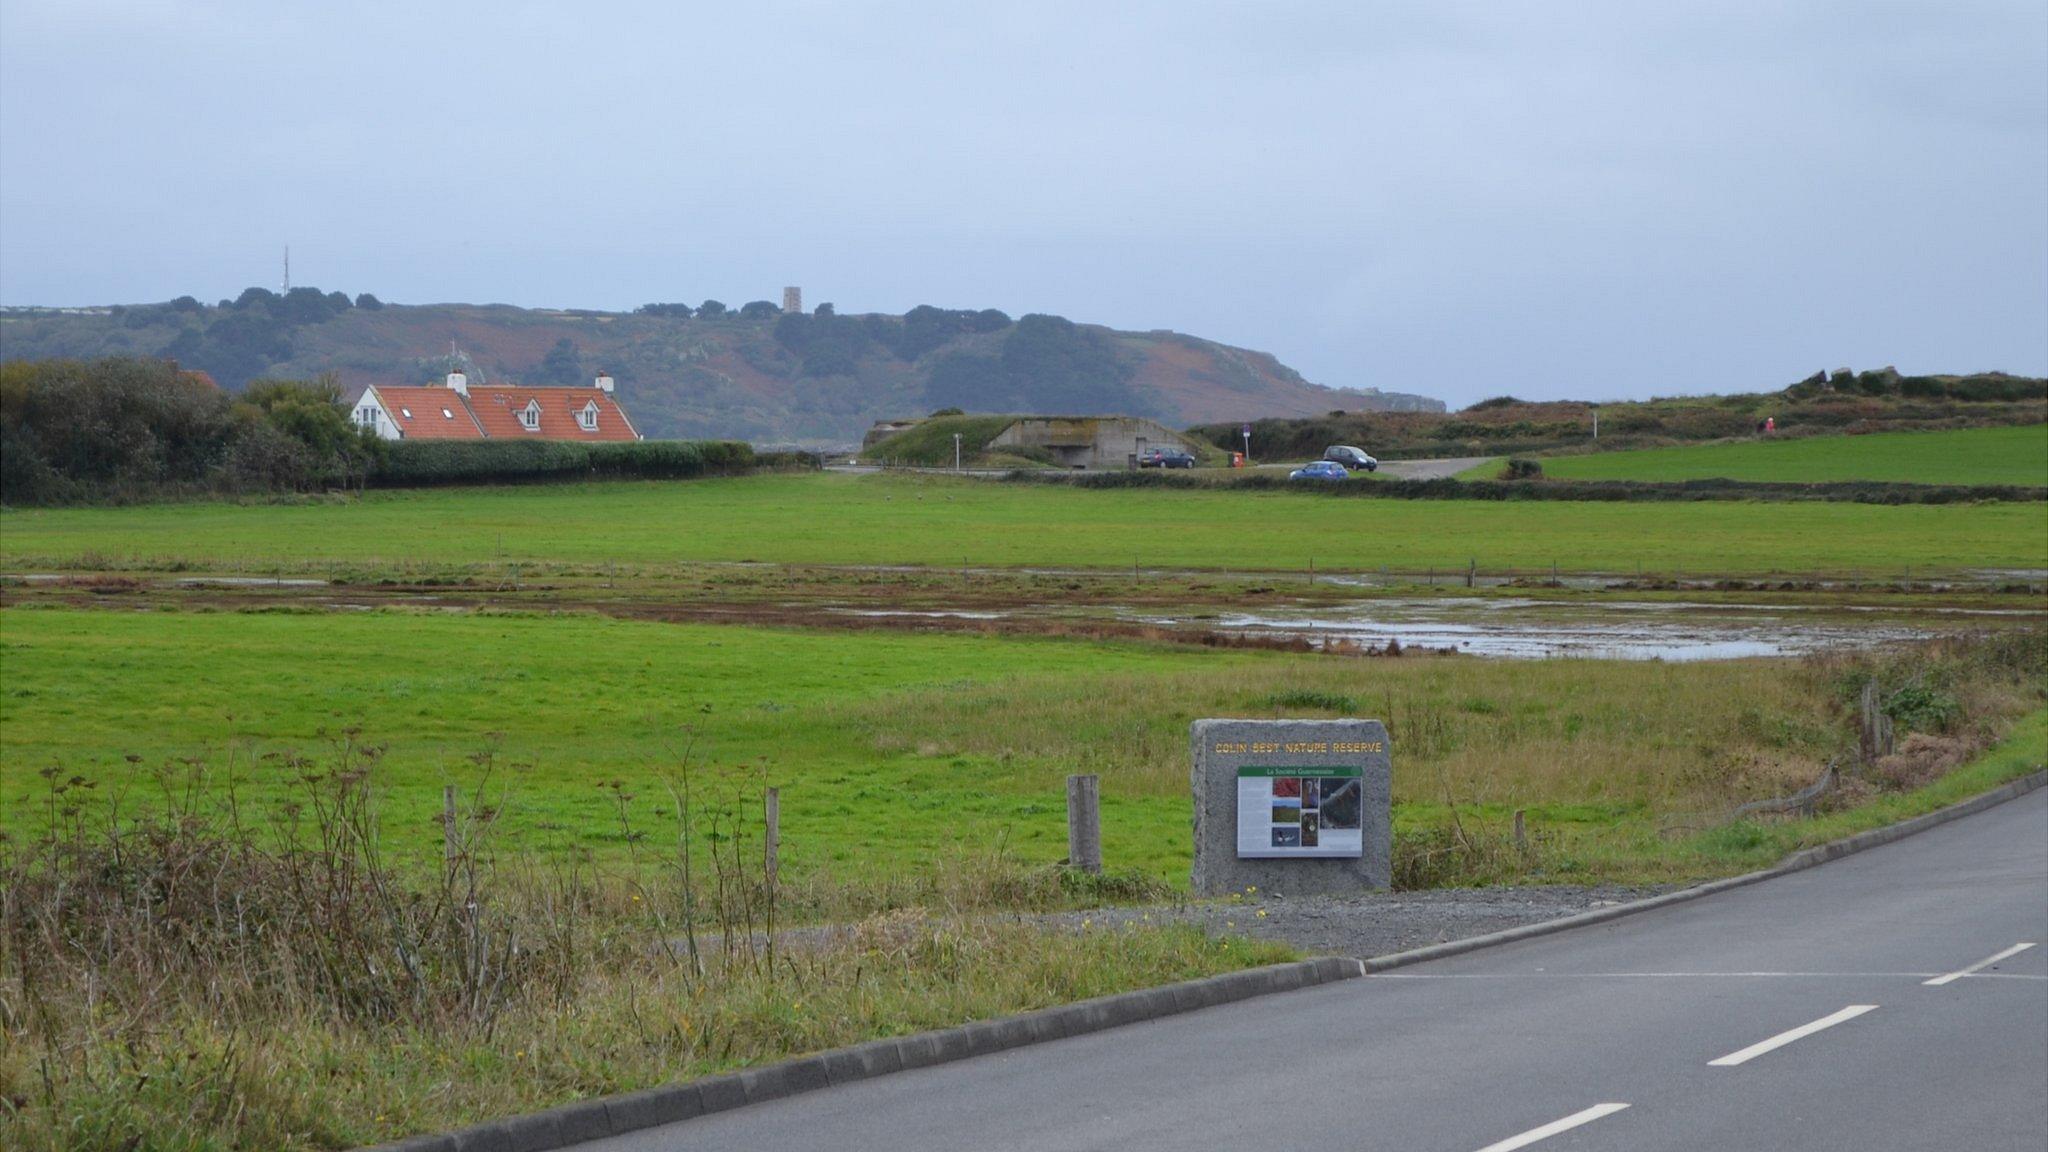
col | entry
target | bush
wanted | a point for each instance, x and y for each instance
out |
(1522, 468)
(1614, 491)
(1922, 707)
(121, 429)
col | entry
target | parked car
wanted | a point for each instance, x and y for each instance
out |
(1350, 457)
(1165, 458)
(1320, 470)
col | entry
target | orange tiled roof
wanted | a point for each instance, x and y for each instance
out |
(497, 408)
(430, 413)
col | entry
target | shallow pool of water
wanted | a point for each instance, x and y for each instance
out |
(1523, 629)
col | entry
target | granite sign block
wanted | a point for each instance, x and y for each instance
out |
(1291, 807)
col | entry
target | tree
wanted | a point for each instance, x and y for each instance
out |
(711, 309)
(759, 310)
(368, 303)
(186, 304)
(563, 364)
(825, 310)
(314, 442)
(672, 311)
(309, 306)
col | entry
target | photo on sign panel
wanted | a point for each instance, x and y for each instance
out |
(1286, 787)
(1286, 813)
(1287, 836)
(1311, 792)
(1342, 804)
(1311, 835)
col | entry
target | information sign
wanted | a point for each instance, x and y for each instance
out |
(1292, 812)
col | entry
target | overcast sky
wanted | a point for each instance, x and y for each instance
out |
(1584, 199)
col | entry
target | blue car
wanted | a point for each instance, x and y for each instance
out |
(1320, 470)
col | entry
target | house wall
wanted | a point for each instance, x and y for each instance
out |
(1091, 442)
(371, 413)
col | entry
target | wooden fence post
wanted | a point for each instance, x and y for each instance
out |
(451, 837)
(771, 844)
(1084, 823)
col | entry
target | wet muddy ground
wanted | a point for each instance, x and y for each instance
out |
(1356, 614)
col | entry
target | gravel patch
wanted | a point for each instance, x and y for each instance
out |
(1373, 924)
(1366, 925)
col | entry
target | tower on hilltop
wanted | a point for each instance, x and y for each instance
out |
(792, 299)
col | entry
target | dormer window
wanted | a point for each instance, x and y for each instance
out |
(529, 416)
(588, 417)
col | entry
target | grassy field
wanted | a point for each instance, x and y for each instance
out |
(832, 519)
(1964, 456)
(896, 753)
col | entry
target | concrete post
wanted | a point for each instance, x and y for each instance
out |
(1084, 824)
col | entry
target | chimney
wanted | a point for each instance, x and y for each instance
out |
(457, 382)
(604, 380)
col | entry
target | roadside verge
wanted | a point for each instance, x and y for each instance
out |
(597, 1118)
(1796, 862)
(615, 1115)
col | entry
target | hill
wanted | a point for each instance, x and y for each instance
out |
(753, 373)
(2013, 455)
(1841, 402)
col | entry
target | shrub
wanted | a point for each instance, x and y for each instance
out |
(1322, 701)
(1921, 707)
(1522, 468)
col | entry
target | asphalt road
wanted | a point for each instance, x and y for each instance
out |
(1793, 1014)
(1429, 469)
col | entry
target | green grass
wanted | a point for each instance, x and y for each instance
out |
(1761, 844)
(930, 442)
(831, 519)
(2017, 455)
(896, 753)
(575, 702)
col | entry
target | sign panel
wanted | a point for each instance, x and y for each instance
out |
(1301, 812)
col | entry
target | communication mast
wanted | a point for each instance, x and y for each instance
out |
(287, 268)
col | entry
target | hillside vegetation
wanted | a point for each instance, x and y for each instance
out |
(1844, 402)
(752, 373)
(2011, 455)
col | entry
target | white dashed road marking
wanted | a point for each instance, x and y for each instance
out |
(1554, 1127)
(1987, 962)
(1784, 1038)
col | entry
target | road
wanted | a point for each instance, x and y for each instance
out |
(1793, 1014)
(1396, 469)
(1429, 469)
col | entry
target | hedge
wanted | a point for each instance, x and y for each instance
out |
(420, 463)
(1847, 491)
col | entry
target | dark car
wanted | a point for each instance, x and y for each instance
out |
(1320, 470)
(1165, 458)
(1351, 457)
